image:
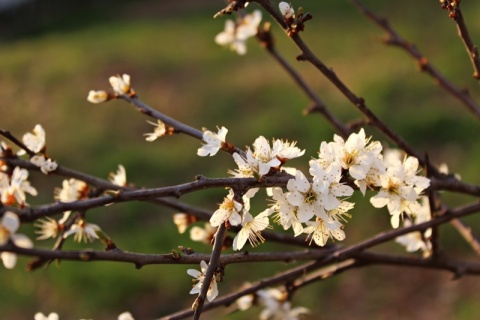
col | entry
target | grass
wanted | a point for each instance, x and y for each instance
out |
(177, 68)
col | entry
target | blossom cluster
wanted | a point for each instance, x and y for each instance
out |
(237, 32)
(317, 204)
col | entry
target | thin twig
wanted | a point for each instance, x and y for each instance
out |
(393, 38)
(467, 234)
(456, 14)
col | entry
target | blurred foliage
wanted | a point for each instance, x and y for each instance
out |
(168, 49)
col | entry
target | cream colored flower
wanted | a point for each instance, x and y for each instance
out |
(46, 165)
(83, 231)
(35, 141)
(120, 84)
(13, 191)
(214, 142)
(199, 276)
(159, 131)
(98, 96)
(251, 228)
(8, 227)
(118, 178)
(48, 228)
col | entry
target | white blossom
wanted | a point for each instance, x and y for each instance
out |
(97, 96)
(229, 211)
(400, 188)
(320, 231)
(327, 183)
(285, 212)
(235, 35)
(72, 190)
(41, 316)
(199, 276)
(46, 165)
(214, 142)
(245, 169)
(251, 228)
(13, 189)
(48, 228)
(286, 10)
(8, 227)
(417, 240)
(35, 140)
(83, 231)
(119, 178)
(306, 197)
(120, 84)
(125, 316)
(357, 154)
(159, 131)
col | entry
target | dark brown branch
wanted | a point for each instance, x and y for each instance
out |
(393, 38)
(211, 269)
(242, 184)
(7, 134)
(456, 14)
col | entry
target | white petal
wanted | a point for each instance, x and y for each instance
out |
(9, 259)
(10, 221)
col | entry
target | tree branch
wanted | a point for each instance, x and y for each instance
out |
(393, 38)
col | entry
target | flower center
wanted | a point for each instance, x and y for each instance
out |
(349, 158)
(310, 197)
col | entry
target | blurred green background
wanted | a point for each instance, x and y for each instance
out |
(48, 65)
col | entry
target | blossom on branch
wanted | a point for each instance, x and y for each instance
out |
(214, 142)
(72, 190)
(286, 213)
(236, 33)
(245, 169)
(35, 140)
(118, 178)
(251, 228)
(159, 131)
(306, 197)
(45, 164)
(264, 158)
(400, 188)
(229, 211)
(48, 228)
(199, 276)
(8, 228)
(417, 240)
(98, 96)
(13, 189)
(83, 231)
(120, 84)
(286, 10)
